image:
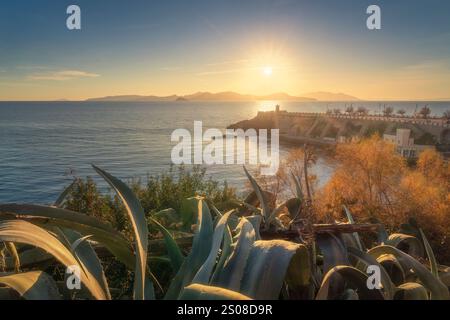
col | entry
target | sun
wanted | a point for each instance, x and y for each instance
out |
(267, 71)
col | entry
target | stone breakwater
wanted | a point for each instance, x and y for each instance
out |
(329, 129)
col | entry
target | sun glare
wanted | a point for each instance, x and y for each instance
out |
(267, 71)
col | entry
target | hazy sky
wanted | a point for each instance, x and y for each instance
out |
(166, 47)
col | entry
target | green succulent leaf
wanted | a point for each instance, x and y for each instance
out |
(24, 232)
(266, 268)
(354, 278)
(204, 292)
(49, 217)
(298, 187)
(393, 267)
(139, 223)
(33, 285)
(439, 291)
(275, 212)
(430, 254)
(87, 257)
(367, 260)
(355, 234)
(411, 291)
(259, 193)
(256, 223)
(407, 243)
(204, 273)
(333, 250)
(234, 267)
(201, 247)
(224, 255)
(173, 250)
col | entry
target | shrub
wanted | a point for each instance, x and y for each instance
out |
(375, 182)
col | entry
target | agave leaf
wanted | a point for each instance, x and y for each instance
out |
(45, 216)
(333, 250)
(62, 197)
(299, 273)
(87, 257)
(33, 285)
(368, 260)
(409, 244)
(137, 217)
(355, 234)
(438, 290)
(430, 254)
(173, 250)
(203, 292)
(11, 248)
(201, 247)
(275, 212)
(266, 268)
(29, 258)
(256, 223)
(411, 228)
(298, 187)
(234, 267)
(393, 267)
(259, 194)
(349, 240)
(25, 232)
(411, 291)
(204, 273)
(294, 206)
(354, 278)
(225, 253)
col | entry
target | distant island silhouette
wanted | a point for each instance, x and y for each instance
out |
(232, 96)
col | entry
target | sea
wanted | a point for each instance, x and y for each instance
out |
(43, 145)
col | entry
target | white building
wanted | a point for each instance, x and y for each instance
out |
(405, 143)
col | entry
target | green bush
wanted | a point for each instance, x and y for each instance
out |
(155, 192)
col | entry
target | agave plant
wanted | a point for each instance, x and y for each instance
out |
(227, 258)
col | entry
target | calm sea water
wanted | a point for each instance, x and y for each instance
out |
(42, 144)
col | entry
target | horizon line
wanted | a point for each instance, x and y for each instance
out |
(350, 101)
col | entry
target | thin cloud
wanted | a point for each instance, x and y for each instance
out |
(62, 75)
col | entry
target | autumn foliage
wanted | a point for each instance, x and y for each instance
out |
(373, 181)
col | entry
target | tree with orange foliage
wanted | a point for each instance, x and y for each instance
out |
(425, 196)
(365, 180)
(372, 179)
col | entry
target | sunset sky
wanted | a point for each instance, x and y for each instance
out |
(252, 46)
